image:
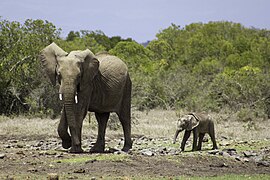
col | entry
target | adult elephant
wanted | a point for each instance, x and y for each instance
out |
(99, 84)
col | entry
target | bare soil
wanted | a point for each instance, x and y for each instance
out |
(37, 156)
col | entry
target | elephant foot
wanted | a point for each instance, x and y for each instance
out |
(66, 144)
(97, 149)
(127, 146)
(76, 149)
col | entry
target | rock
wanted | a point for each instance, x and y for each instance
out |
(214, 152)
(20, 152)
(224, 143)
(122, 152)
(221, 165)
(258, 158)
(249, 154)
(50, 153)
(147, 152)
(223, 137)
(59, 155)
(263, 163)
(2, 156)
(20, 145)
(13, 141)
(242, 142)
(7, 146)
(230, 151)
(53, 176)
(238, 158)
(113, 150)
(79, 170)
(39, 144)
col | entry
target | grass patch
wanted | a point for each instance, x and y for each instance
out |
(98, 157)
(249, 146)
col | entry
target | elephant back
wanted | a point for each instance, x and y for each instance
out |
(112, 69)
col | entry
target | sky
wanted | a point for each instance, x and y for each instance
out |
(140, 20)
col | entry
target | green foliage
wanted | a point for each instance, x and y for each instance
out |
(20, 71)
(200, 67)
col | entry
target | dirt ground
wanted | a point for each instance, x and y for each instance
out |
(37, 154)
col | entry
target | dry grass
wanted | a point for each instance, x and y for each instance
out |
(21, 126)
(155, 123)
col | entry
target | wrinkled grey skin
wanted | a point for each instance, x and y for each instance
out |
(199, 124)
(99, 84)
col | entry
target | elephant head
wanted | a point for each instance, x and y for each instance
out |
(73, 71)
(187, 122)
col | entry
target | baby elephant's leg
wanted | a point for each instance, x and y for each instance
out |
(212, 135)
(201, 136)
(185, 138)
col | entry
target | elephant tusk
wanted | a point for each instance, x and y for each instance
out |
(76, 98)
(60, 97)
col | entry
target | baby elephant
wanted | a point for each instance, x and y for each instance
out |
(199, 124)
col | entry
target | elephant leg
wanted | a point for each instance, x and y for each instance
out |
(125, 120)
(185, 138)
(201, 135)
(63, 131)
(102, 119)
(212, 135)
(195, 139)
(81, 115)
(125, 117)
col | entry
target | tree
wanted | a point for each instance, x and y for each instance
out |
(20, 71)
(72, 35)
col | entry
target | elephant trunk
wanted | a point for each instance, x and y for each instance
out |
(69, 104)
(176, 135)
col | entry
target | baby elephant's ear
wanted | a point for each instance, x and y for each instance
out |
(193, 122)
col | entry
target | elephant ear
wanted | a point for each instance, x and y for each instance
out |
(48, 59)
(193, 122)
(90, 67)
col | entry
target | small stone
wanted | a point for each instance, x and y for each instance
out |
(20, 145)
(237, 158)
(79, 171)
(230, 151)
(50, 153)
(7, 146)
(2, 156)
(249, 154)
(53, 176)
(224, 143)
(263, 163)
(214, 152)
(220, 165)
(147, 152)
(20, 152)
